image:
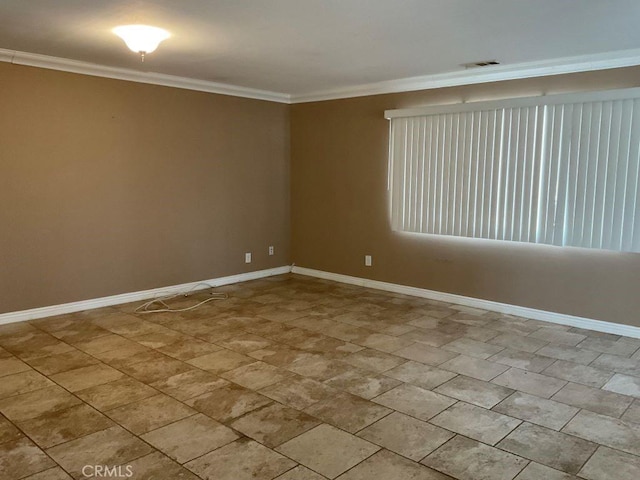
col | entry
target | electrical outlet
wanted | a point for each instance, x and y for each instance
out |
(368, 261)
(271, 250)
(247, 257)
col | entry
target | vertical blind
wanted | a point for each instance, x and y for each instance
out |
(559, 170)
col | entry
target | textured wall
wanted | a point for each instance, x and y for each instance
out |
(340, 212)
(109, 186)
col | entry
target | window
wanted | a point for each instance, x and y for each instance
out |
(559, 170)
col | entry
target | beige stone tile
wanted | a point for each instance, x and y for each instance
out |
(150, 413)
(55, 473)
(421, 375)
(8, 432)
(327, 450)
(374, 361)
(190, 438)
(241, 460)
(155, 370)
(189, 384)
(245, 343)
(221, 361)
(54, 428)
(529, 382)
(623, 347)
(280, 355)
(363, 383)
(406, 435)
(114, 446)
(594, 399)
(557, 336)
(414, 401)
(274, 424)
(23, 382)
(570, 354)
(432, 336)
(104, 343)
(476, 392)
(188, 349)
(605, 430)
(160, 339)
(300, 473)
(80, 332)
(618, 364)
(422, 353)
(228, 402)
(86, 377)
(299, 392)
(474, 367)
(475, 422)
(62, 362)
(518, 342)
(536, 471)
(384, 342)
(156, 466)
(32, 404)
(633, 412)
(116, 394)
(467, 459)
(34, 350)
(473, 348)
(551, 448)
(578, 373)
(19, 458)
(540, 411)
(328, 345)
(130, 326)
(348, 412)
(607, 463)
(134, 353)
(11, 365)
(215, 335)
(319, 367)
(256, 375)
(522, 360)
(387, 465)
(624, 384)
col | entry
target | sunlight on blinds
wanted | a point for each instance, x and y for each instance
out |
(545, 172)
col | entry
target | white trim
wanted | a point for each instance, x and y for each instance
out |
(85, 68)
(517, 102)
(552, 317)
(34, 313)
(583, 63)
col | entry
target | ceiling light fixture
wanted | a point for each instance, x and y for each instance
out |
(141, 39)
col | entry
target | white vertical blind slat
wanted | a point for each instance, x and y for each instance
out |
(561, 174)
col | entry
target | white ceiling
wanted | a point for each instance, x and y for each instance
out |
(300, 47)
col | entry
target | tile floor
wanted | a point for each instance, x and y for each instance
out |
(293, 378)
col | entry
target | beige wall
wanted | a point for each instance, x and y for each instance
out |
(109, 186)
(340, 213)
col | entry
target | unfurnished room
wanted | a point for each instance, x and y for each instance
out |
(320, 239)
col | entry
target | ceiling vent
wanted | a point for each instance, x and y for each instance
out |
(484, 63)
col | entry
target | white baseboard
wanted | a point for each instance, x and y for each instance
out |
(34, 313)
(552, 317)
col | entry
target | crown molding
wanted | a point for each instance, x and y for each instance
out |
(85, 68)
(584, 63)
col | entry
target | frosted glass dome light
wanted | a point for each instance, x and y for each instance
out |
(141, 39)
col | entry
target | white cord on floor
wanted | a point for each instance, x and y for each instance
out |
(145, 307)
